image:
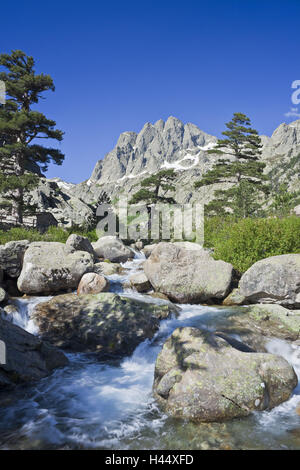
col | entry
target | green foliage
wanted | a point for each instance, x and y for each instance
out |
(283, 201)
(245, 171)
(242, 141)
(154, 188)
(245, 241)
(20, 127)
(53, 234)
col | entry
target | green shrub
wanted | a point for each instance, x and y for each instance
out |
(53, 234)
(246, 241)
(19, 233)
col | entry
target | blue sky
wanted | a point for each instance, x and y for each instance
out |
(119, 64)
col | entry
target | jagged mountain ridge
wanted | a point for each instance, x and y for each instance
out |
(169, 144)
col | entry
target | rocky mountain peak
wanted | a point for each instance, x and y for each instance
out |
(165, 144)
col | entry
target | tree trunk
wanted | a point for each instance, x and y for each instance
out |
(19, 193)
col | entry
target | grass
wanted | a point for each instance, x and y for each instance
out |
(53, 234)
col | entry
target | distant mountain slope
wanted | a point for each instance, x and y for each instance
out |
(169, 144)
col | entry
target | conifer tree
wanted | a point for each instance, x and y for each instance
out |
(245, 170)
(20, 127)
(152, 186)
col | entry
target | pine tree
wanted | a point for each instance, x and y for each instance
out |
(151, 188)
(283, 201)
(20, 127)
(245, 170)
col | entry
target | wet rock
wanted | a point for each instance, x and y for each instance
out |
(158, 295)
(275, 320)
(112, 249)
(10, 310)
(27, 358)
(106, 323)
(48, 267)
(3, 296)
(11, 257)
(147, 250)
(200, 376)
(107, 269)
(92, 283)
(234, 298)
(187, 276)
(139, 245)
(140, 282)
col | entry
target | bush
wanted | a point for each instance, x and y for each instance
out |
(246, 241)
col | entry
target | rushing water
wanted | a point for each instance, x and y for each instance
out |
(90, 404)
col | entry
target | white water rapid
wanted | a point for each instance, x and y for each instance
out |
(105, 405)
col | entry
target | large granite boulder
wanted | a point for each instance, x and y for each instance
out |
(27, 357)
(92, 283)
(187, 276)
(48, 267)
(105, 323)
(113, 249)
(203, 377)
(78, 243)
(274, 280)
(11, 257)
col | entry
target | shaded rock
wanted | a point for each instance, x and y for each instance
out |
(275, 321)
(27, 357)
(49, 268)
(106, 323)
(113, 249)
(273, 280)
(107, 269)
(147, 250)
(187, 276)
(11, 288)
(11, 257)
(140, 282)
(159, 295)
(92, 283)
(78, 243)
(139, 245)
(3, 295)
(256, 325)
(234, 298)
(200, 376)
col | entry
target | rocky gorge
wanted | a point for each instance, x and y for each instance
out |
(135, 338)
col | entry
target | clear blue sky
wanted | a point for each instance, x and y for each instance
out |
(118, 64)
